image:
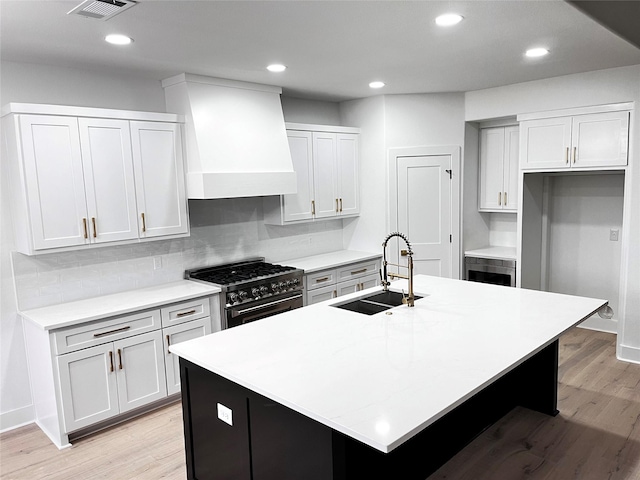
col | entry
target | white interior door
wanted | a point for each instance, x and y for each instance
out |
(424, 213)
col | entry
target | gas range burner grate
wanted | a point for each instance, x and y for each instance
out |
(226, 275)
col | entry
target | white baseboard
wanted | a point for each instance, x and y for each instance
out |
(16, 418)
(600, 324)
(628, 354)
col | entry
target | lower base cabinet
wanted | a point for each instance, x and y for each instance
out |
(106, 370)
(100, 382)
(331, 283)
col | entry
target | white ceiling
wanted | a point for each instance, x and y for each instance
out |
(333, 48)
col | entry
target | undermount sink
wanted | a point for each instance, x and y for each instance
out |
(373, 302)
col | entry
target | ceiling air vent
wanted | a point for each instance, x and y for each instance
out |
(101, 9)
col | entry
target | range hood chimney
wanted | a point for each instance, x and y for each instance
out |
(236, 142)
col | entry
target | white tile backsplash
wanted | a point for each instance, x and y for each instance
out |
(503, 231)
(222, 231)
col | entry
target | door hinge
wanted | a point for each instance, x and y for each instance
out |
(450, 173)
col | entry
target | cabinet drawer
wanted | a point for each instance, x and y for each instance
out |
(102, 331)
(357, 270)
(320, 279)
(185, 311)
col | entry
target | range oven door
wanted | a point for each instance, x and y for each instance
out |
(241, 314)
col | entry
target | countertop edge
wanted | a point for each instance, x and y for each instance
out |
(150, 298)
(326, 261)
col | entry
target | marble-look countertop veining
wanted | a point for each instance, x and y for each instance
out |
(499, 253)
(325, 261)
(73, 313)
(383, 378)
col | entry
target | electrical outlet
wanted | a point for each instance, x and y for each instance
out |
(613, 234)
(225, 414)
(157, 263)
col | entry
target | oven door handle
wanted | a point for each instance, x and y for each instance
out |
(266, 305)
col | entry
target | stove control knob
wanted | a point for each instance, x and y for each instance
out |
(233, 297)
(243, 295)
(255, 292)
(274, 286)
(263, 290)
(281, 285)
(296, 281)
(288, 283)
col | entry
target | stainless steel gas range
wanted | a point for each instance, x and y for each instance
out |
(252, 289)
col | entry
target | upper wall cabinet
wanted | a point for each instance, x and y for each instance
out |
(326, 163)
(580, 139)
(498, 189)
(82, 176)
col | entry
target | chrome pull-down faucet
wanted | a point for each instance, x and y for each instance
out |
(384, 276)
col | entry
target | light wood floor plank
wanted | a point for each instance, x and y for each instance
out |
(596, 436)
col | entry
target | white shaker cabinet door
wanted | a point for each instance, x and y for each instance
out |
(54, 181)
(88, 386)
(492, 144)
(140, 370)
(511, 168)
(545, 143)
(299, 206)
(159, 177)
(177, 334)
(109, 180)
(324, 173)
(321, 294)
(600, 139)
(348, 174)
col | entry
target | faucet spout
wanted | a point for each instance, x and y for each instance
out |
(384, 276)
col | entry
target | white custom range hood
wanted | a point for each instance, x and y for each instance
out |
(236, 142)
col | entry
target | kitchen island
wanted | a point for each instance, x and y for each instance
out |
(326, 393)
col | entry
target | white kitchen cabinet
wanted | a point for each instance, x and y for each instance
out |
(100, 382)
(498, 189)
(79, 179)
(176, 334)
(335, 282)
(159, 172)
(588, 139)
(326, 162)
(98, 370)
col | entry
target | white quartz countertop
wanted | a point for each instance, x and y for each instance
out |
(72, 313)
(325, 261)
(383, 378)
(502, 253)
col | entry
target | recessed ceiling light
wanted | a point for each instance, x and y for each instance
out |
(449, 19)
(116, 39)
(376, 84)
(536, 52)
(276, 67)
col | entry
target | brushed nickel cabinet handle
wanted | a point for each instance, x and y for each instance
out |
(335, 294)
(566, 156)
(337, 209)
(499, 198)
(168, 344)
(505, 198)
(183, 314)
(323, 279)
(313, 207)
(575, 154)
(362, 270)
(117, 330)
(95, 230)
(144, 223)
(119, 359)
(341, 205)
(111, 360)
(84, 224)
